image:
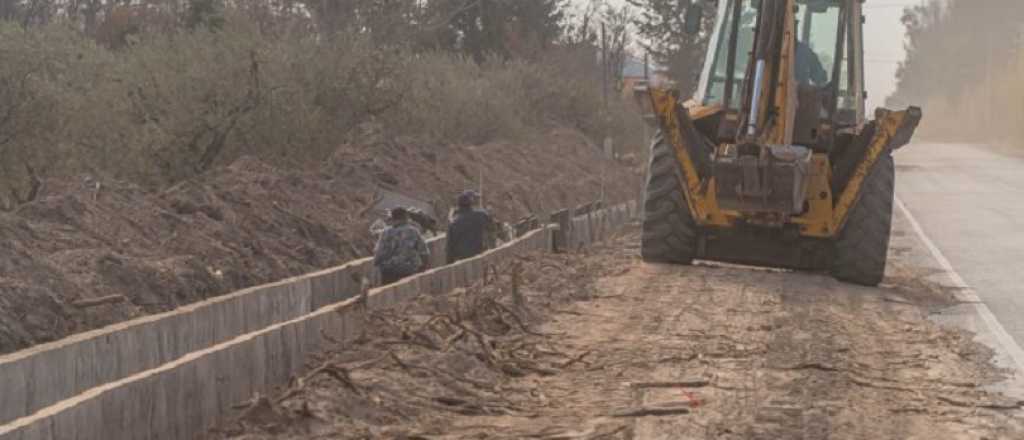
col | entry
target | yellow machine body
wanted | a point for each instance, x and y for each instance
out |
(769, 162)
(826, 212)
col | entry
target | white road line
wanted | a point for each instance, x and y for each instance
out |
(968, 294)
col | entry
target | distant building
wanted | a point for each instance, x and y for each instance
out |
(633, 72)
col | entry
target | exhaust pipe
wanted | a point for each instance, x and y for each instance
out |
(756, 98)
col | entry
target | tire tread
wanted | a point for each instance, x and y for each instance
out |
(861, 252)
(669, 232)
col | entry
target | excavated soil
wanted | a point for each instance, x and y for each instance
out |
(602, 346)
(88, 238)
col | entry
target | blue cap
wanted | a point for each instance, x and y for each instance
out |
(467, 198)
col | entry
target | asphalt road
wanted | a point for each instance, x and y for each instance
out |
(969, 200)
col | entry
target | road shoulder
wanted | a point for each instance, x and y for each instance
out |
(969, 312)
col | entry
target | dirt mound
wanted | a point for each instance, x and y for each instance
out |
(252, 223)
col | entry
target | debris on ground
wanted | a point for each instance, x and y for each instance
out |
(602, 346)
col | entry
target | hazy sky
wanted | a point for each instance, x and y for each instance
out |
(883, 46)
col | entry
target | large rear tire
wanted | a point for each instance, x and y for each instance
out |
(669, 232)
(863, 244)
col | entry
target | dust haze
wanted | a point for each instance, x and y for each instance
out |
(963, 64)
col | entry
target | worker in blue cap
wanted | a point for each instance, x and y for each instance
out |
(467, 231)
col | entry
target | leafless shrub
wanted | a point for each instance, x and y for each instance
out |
(169, 105)
(43, 77)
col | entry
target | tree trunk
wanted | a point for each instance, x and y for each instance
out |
(331, 16)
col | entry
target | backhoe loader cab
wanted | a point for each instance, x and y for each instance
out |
(773, 162)
(820, 26)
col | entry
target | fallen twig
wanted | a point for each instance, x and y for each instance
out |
(531, 366)
(663, 409)
(604, 434)
(366, 364)
(591, 433)
(1006, 404)
(328, 337)
(570, 312)
(688, 383)
(484, 342)
(93, 302)
(340, 374)
(519, 321)
(436, 372)
(574, 360)
(812, 366)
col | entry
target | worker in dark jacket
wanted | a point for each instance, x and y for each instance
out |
(809, 70)
(467, 230)
(400, 251)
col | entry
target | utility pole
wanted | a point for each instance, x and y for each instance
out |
(608, 149)
(604, 68)
(647, 56)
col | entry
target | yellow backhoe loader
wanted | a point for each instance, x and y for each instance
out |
(772, 162)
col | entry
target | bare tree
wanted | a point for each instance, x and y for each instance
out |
(660, 24)
(618, 34)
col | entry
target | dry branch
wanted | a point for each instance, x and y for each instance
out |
(576, 359)
(93, 302)
(337, 372)
(986, 404)
(689, 383)
(663, 409)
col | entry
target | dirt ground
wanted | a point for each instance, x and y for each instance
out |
(250, 223)
(602, 346)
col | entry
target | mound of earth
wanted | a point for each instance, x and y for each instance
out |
(89, 238)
